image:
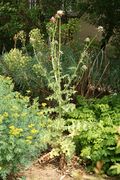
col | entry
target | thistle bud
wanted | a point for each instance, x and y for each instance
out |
(84, 67)
(100, 29)
(60, 13)
(53, 20)
(87, 40)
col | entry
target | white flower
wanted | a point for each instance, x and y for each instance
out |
(60, 13)
(100, 29)
(87, 40)
(84, 67)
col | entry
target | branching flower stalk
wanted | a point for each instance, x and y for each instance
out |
(59, 67)
(55, 50)
(83, 55)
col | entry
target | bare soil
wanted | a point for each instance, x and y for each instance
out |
(45, 172)
(51, 172)
(46, 169)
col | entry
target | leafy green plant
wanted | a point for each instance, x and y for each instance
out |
(96, 125)
(21, 132)
(61, 143)
(27, 71)
(69, 30)
(63, 130)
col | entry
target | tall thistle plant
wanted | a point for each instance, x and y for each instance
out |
(62, 145)
(63, 85)
(61, 91)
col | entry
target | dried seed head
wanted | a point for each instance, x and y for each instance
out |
(57, 16)
(84, 67)
(15, 37)
(60, 13)
(87, 40)
(100, 29)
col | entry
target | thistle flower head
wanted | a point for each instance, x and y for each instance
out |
(100, 29)
(53, 20)
(60, 13)
(87, 40)
(84, 67)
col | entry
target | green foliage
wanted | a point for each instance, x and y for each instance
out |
(32, 71)
(115, 168)
(96, 131)
(69, 30)
(113, 56)
(21, 132)
(60, 142)
(28, 71)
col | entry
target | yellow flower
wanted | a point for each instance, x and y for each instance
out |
(5, 114)
(42, 124)
(17, 95)
(40, 113)
(44, 104)
(23, 114)
(16, 115)
(31, 125)
(12, 127)
(20, 129)
(1, 118)
(34, 131)
(15, 108)
(29, 137)
(15, 131)
(8, 78)
(28, 141)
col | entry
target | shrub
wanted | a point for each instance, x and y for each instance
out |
(21, 132)
(98, 125)
(28, 72)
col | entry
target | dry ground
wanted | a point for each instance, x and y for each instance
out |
(50, 171)
(47, 172)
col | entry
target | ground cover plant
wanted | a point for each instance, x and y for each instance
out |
(98, 123)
